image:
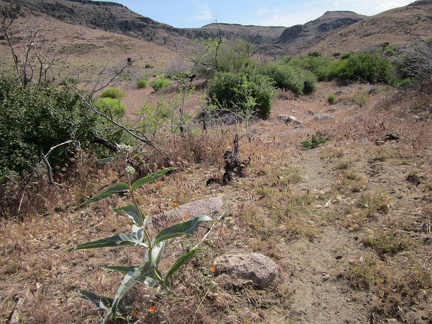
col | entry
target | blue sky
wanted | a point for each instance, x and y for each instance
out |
(197, 13)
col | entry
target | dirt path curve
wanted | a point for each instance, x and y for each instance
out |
(314, 264)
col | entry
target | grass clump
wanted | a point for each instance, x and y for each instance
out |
(113, 93)
(142, 84)
(331, 99)
(160, 84)
(112, 107)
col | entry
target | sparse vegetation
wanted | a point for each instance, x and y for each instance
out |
(314, 142)
(354, 214)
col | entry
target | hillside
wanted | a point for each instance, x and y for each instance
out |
(301, 38)
(397, 26)
(338, 31)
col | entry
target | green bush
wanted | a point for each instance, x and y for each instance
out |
(293, 78)
(160, 84)
(111, 107)
(365, 67)
(34, 120)
(320, 66)
(141, 84)
(242, 92)
(113, 93)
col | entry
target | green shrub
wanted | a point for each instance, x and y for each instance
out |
(141, 84)
(114, 93)
(160, 84)
(111, 107)
(365, 67)
(293, 78)
(242, 92)
(320, 66)
(34, 120)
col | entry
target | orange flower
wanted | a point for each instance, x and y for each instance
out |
(175, 203)
(159, 184)
(152, 309)
(212, 268)
(134, 314)
(186, 216)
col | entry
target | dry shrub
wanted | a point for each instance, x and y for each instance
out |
(33, 194)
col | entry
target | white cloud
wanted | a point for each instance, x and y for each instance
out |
(205, 14)
(262, 11)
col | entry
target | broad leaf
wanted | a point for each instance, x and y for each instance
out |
(150, 178)
(101, 303)
(156, 253)
(138, 274)
(133, 213)
(117, 240)
(179, 262)
(121, 187)
(105, 160)
(150, 281)
(186, 228)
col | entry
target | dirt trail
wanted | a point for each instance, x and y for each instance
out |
(314, 264)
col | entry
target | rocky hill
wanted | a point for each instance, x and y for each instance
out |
(397, 26)
(302, 37)
(336, 31)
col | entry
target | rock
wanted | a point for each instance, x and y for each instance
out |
(323, 117)
(293, 120)
(208, 206)
(256, 267)
(391, 137)
(288, 119)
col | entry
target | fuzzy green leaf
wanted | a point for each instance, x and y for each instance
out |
(179, 262)
(121, 187)
(117, 240)
(138, 274)
(150, 281)
(186, 228)
(133, 213)
(150, 178)
(156, 253)
(101, 303)
(105, 160)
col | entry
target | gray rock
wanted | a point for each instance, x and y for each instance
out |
(258, 268)
(288, 119)
(323, 117)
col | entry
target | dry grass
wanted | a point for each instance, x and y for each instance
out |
(373, 193)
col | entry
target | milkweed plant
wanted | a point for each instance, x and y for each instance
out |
(147, 273)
